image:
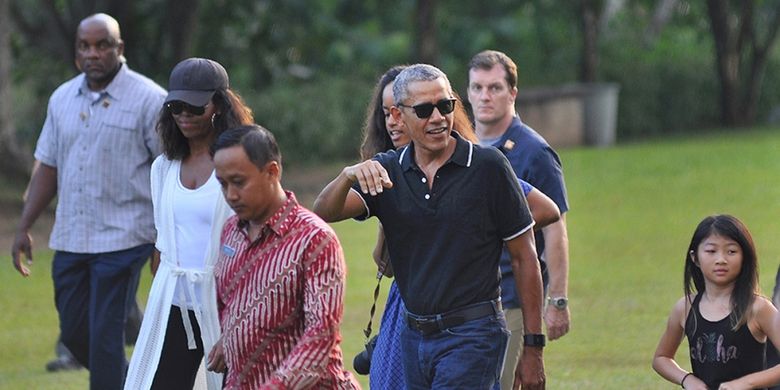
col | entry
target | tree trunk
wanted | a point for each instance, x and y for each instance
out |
(182, 21)
(590, 54)
(750, 104)
(741, 57)
(425, 26)
(758, 69)
(15, 163)
(726, 59)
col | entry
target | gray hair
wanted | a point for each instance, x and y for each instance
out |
(414, 73)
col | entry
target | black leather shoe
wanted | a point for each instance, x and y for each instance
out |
(63, 364)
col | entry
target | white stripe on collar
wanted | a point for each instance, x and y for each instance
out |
(471, 152)
(401, 156)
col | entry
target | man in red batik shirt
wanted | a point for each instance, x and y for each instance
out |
(280, 277)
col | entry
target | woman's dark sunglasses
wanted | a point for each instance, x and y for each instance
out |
(425, 110)
(177, 107)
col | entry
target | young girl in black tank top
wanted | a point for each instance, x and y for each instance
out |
(726, 319)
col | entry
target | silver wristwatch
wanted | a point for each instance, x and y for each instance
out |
(558, 302)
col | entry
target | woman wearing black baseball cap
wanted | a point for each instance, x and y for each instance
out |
(181, 320)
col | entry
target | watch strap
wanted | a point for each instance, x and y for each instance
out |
(534, 340)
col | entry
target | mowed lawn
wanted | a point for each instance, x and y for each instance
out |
(633, 210)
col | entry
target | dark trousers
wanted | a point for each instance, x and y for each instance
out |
(91, 292)
(132, 328)
(178, 365)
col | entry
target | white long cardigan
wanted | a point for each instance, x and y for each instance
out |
(148, 347)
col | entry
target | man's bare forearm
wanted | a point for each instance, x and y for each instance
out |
(329, 204)
(557, 257)
(528, 280)
(40, 192)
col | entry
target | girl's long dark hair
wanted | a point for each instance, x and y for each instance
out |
(746, 285)
(375, 137)
(233, 113)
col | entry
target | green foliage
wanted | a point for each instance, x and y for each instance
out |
(33, 81)
(314, 121)
(332, 51)
(668, 87)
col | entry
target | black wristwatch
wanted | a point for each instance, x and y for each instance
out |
(534, 340)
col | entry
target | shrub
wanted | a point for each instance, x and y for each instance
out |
(314, 121)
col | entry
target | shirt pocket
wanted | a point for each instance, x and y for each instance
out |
(120, 132)
(126, 122)
(118, 157)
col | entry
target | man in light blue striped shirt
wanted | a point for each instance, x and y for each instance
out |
(95, 152)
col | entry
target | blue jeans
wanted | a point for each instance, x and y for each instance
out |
(91, 292)
(467, 356)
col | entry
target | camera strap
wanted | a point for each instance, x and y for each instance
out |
(379, 274)
(367, 331)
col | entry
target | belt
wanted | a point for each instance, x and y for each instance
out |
(430, 324)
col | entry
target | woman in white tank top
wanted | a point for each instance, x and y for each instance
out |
(181, 321)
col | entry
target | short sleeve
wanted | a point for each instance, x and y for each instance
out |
(510, 208)
(372, 202)
(46, 148)
(546, 174)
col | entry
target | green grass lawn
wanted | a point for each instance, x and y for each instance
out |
(634, 208)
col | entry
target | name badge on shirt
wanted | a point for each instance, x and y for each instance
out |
(228, 251)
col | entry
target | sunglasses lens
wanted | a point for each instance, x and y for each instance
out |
(445, 106)
(175, 107)
(423, 110)
(178, 107)
(195, 110)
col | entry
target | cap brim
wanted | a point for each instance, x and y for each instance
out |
(194, 98)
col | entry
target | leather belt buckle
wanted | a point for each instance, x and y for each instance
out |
(426, 326)
(430, 324)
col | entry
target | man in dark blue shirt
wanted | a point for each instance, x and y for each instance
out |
(447, 207)
(492, 90)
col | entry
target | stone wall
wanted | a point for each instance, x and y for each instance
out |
(572, 114)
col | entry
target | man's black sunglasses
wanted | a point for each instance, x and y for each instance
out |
(177, 106)
(425, 110)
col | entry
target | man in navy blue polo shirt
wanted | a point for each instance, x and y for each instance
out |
(447, 208)
(492, 90)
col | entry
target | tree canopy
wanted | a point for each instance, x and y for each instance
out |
(307, 67)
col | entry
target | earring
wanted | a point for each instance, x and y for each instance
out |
(214, 115)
